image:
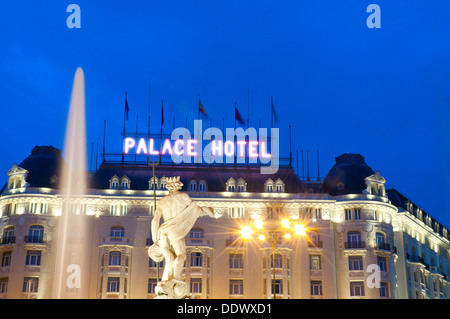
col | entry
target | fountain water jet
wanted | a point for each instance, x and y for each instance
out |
(74, 237)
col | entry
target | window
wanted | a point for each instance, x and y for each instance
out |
(117, 231)
(315, 262)
(192, 186)
(3, 285)
(123, 210)
(125, 182)
(236, 287)
(318, 213)
(230, 185)
(6, 259)
(355, 263)
(314, 238)
(348, 214)
(163, 183)
(33, 208)
(118, 210)
(153, 182)
(196, 259)
(153, 264)
(33, 258)
(30, 285)
(279, 186)
(8, 235)
(113, 284)
(357, 288)
(269, 185)
(35, 234)
(115, 258)
(152, 283)
(113, 210)
(354, 239)
(316, 288)
(196, 285)
(202, 186)
(114, 182)
(357, 213)
(197, 233)
(278, 286)
(236, 261)
(381, 261)
(380, 240)
(384, 289)
(278, 261)
(44, 208)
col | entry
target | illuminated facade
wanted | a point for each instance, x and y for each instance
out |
(356, 231)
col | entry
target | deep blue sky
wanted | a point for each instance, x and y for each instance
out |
(343, 87)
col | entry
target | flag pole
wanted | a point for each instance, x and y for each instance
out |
(124, 119)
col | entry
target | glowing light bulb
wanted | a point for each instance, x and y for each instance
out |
(246, 232)
(300, 229)
(285, 223)
(259, 223)
(262, 237)
(287, 236)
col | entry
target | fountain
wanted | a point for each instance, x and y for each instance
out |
(74, 232)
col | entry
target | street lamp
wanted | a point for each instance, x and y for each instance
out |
(273, 233)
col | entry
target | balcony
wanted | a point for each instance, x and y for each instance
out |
(315, 244)
(34, 239)
(355, 245)
(8, 240)
(383, 246)
(125, 241)
(417, 259)
(199, 242)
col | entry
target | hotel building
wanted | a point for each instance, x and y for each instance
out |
(361, 240)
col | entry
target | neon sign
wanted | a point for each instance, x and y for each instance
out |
(239, 146)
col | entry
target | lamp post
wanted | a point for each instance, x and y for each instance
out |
(277, 230)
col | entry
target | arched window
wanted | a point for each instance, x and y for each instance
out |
(279, 186)
(115, 258)
(241, 185)
(202, 186)
(380, 239)
(269, 186)
(193, 185)
(35, 234)
(125, 182)
(230, 185)
(153, 182)
(354, 239)
(197, 233)
(117, 231)
(8, 235)
(114, 182)
(196, 259)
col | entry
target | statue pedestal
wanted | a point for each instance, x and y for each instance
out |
(172, 289)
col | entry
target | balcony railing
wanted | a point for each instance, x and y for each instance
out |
(355, 245)
(8, 240)
(383, 246)
(34, 239)
(315, 244)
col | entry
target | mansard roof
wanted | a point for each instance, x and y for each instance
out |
(215, 176)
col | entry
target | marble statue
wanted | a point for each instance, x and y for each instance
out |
(179, 213)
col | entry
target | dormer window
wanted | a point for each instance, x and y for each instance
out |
(193, 185)
(125, 182)
(241, 185)
(269, 185)
(202, 186)
(375, 184)
(230, 185)
(17, 177)
(153, 182)
(114, 182)
(279, 186)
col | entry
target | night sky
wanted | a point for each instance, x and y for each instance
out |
(344, 88)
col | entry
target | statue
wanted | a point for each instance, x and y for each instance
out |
(179, 213)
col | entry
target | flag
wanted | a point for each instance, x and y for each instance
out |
(237, 116)
(127, 109)
(274, 113)
(201, 109)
